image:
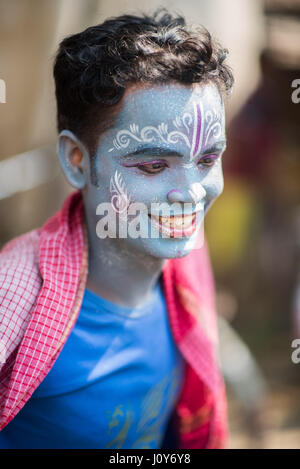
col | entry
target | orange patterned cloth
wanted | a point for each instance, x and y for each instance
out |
(42, 280)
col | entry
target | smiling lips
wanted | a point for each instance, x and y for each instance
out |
(177, 226)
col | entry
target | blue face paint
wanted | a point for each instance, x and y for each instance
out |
(164, 147)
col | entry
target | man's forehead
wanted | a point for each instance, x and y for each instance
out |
(157, 103)
(188, 119)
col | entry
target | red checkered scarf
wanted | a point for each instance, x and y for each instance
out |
(42, 280)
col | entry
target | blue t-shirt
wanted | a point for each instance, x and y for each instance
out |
(114, 384)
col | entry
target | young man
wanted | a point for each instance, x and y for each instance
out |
(108, 324)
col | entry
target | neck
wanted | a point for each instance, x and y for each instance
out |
(120, 273)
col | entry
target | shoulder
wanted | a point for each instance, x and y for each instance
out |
(20, 282)
(19, 262)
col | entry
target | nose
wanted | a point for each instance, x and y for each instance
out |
(192, 194)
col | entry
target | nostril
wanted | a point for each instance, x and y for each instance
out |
(174, 195)
(193, 195)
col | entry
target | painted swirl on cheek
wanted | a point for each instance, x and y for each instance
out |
(120, 199)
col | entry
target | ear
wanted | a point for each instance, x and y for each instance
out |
(72, 157)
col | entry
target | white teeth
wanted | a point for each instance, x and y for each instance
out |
(176, 221)
(187, 221)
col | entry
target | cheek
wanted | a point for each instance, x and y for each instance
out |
(145, 189)
(214, 185)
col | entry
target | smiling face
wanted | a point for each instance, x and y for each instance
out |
(165, 147)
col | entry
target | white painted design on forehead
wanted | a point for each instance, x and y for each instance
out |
(214, 127)
(197, 130)
(190, 129)
(149, 133)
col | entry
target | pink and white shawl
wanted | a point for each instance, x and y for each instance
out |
(42, 280)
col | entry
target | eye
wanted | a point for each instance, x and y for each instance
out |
(153, 167)
(208, 160)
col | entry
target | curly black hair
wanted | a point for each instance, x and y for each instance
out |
(94, 67)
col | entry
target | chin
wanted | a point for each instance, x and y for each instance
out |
(168, 248)
(175, 244)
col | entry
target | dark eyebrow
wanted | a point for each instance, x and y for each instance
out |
(158, 151)
(154, 151)
(215, 148)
